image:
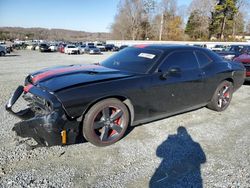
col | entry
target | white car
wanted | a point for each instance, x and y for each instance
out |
(101, 47)
(71, 49)
(218, 48)
(81, 48)
(53, 47)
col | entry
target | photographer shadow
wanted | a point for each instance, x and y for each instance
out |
(181, 162)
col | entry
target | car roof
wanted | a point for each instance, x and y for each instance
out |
(166, 47)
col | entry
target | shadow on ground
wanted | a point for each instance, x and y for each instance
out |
(247, 83)
(181, 162)
(11, 55)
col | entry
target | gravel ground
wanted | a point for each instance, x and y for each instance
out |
(196, 149)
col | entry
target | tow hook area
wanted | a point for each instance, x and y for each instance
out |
(64, 137)
(48, 130)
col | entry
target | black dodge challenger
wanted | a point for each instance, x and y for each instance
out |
(139, 84)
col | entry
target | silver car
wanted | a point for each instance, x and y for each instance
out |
(2, 51)
(92, 50)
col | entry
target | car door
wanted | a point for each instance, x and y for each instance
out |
(178, 84)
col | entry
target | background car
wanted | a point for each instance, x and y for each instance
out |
(44, 48)
(81, 48)
(92, 50)
(218, 48)
(53, 47)
(101, 46)
(61, 48)
(111, 47)
(90, 44)
(200, 45)
(8, 47)
(2, 50)
(233, 51)
(122, 47)
(245, 60)
(71, 49)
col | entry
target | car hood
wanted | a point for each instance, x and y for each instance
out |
(63, 77)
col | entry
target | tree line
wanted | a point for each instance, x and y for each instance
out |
(164, 20)
(12, 33)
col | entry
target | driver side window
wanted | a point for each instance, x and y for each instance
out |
(185, 60)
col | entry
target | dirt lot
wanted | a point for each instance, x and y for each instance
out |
(196, 149)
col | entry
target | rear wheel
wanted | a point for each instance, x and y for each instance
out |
(2, 54)
(222, 96)
(106, 122)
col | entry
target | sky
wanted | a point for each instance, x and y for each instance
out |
(81, 15)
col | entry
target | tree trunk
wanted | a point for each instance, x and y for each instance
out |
(223, 27)
(161, 26)
(233, 30)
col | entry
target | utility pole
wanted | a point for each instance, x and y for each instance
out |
(161, 26)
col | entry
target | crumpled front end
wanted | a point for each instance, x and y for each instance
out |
(44, 120)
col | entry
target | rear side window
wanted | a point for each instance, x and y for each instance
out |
(185, 60)
(203, 59)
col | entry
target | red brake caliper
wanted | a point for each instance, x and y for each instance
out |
(117, 121)
(226, 94)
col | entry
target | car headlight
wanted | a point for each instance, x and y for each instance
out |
(229, 57)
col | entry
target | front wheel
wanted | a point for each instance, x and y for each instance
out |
(222, 97)
(106, 122)
(2, 54)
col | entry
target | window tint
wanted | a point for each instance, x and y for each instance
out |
(138, 60)
(203, 58)
(185, 60)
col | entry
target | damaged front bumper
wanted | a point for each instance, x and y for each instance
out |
(48, 129)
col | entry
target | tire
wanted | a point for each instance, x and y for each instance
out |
(106, 122)
(222, 97)
(2, 54)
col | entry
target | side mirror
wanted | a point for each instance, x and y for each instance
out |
(174, 71)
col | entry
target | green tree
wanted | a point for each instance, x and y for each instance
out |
(196, 27)
(222, 18)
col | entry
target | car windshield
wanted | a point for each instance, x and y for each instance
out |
(91, 46)
(71, 46)
(137, 60)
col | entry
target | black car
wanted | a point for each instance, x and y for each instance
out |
(44, 48)
(122, 47)
(234, 51)
(111, 47)
(136, 85)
